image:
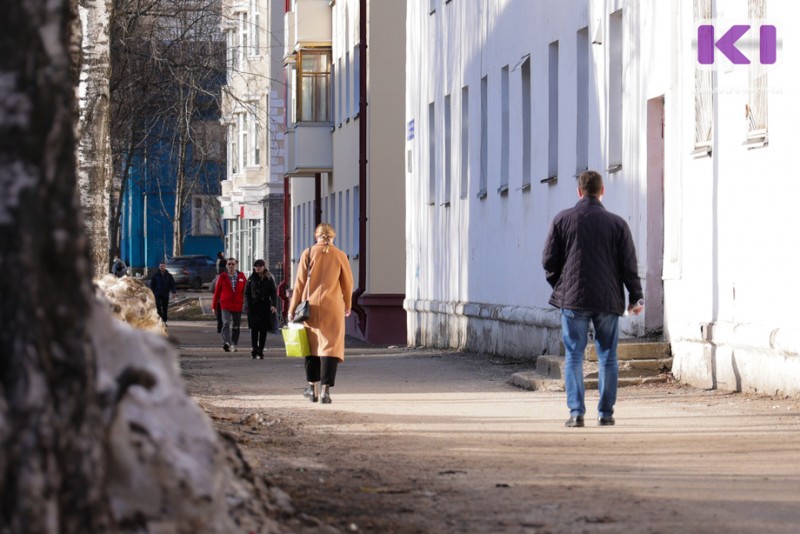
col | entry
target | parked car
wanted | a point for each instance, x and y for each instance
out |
(192, 271)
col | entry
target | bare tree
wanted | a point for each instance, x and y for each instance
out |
(168, 58)
(52, 464)
(79, 454)
(94, 155)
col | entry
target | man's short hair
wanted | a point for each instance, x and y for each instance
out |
(590, 183)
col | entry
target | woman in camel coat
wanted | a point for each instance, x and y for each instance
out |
(324, 275)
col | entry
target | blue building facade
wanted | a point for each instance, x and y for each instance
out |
(186, 107)
(149, 206)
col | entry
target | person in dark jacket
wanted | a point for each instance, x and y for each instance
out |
(221, 266)
(162, 284)
(118, 268)
(261, 297)
(588, 257)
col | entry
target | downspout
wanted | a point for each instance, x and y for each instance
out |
(287, 271)
(362, 169)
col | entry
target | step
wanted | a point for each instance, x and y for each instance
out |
(536, 381)
(552, 366)
(635, 350)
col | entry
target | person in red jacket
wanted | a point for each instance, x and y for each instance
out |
(229, 295)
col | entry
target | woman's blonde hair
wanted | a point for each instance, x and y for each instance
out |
(326, 232)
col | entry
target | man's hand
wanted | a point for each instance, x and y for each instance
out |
(636, 308)
(347, 313)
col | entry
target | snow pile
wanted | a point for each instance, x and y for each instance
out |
(131, 301)
(168, 468)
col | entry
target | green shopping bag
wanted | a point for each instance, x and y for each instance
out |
(296, 341)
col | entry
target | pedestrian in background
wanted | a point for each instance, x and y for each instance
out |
(118, 267)
(261, 297)
(588, 257)
(323, 271)
(221, 266)
(229, 295)
(163, 285)
(217, 311)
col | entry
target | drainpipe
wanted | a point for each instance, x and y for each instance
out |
(362, 169)
(287, 271)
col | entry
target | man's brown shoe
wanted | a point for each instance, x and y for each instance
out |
(605, 421)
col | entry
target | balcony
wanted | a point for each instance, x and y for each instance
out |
(309, 148)
(307, 26)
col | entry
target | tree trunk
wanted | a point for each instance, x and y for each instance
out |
(52, 471)
(94, 149)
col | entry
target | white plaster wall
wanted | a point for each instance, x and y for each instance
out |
(474, 275)
(733, 290)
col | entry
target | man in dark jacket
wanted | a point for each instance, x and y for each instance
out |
(588, 256)
(162, 285)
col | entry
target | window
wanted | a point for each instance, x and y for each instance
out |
(331, 216)
(339, 92)
(244, 34)
(756, 108)
(703, 93)
(255, 18)
(505, 133)
(313, 78)
(525, 76)
(205, 215)
(464, 142)
(255, 138)
(356, 81)
(208, 138)
(552, 114)
(484, 136)
(339, 221)
(614, 120)
(334, 107)
(233, 54)
(243, 146)
(346, 222)
(347, 85)
(431, 153)
(448, 153)
(582, 104)
(234, 148)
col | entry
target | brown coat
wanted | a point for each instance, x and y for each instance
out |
(330, 294)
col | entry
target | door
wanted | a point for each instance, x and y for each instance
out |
(654, 284)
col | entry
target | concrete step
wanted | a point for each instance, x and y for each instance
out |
(552, 366)
(634, 349)
(549, 374)
(536, 381)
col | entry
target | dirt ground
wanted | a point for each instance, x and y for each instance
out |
(430, 441)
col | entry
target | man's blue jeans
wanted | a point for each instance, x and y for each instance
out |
(575, 333)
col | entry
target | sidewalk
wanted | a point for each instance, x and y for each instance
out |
(679, 459)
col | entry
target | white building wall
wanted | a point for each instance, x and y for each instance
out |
(474, 277)
(474, 265)
(731, 285)
(255, 88)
